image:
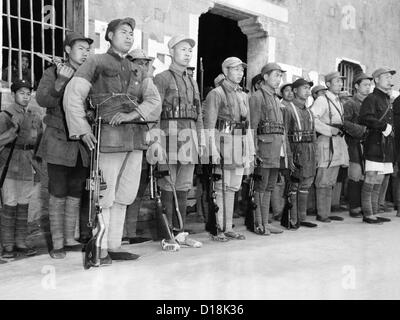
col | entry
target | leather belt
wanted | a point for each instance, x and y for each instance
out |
(230, 127)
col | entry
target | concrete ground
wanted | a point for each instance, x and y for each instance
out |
(339, 260)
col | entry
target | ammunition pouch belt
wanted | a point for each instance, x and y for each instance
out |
(231, 127)
(301, 137)
(184, 111)
(120, 138)
(270, 127)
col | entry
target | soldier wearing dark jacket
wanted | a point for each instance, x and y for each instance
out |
(396, 178)
(377, 115)
(354, 136)
(299, 123)
(67, 160)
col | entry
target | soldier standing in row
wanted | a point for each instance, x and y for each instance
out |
(270, 141)
(67, 160)
(123, 93)
(299, 123)
(227, 115)
(355, 133)
(19, 180)
(182, 123)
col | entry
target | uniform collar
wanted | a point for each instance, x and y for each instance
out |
(178, 69)
(381, 93)
(270, 91)
(299, 104)
(15, 108)
(116, 55)
(230, 86)
(332, 96)
(358, 97)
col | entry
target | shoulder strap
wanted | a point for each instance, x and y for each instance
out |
(296, 115)
(337, 109)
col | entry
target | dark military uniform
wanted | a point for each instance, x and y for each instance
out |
(299, 123)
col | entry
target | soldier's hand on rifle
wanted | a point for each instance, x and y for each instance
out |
(121, 117)
(64, 73)
(335, 131)
(89, 140)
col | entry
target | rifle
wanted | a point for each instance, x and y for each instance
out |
(211, 177)
(94, 184)
(201, 79)
(285, 220)
(5, 170)
(250, 218)
(162, 217)
(58, 62)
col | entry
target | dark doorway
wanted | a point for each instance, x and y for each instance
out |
(219, 38)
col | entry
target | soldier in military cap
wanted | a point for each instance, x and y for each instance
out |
(19, 181)
(122, 92)
(377, 115)
(299, 123)
(355, 133)
(270, 139)
(181, 115)
(317, 91)
(226, 115)
(67, 160)
(332, 148)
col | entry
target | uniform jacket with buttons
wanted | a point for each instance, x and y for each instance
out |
(106, 74)
(229, 103)
(185, 90)
(265, 105)
(56, 147)
(331, 150)
(354, 131)
(30, 128)
(377, 147)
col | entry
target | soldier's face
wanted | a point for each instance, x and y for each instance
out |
(303, 92)
(79, 51)
(364, 88)
(335, 85)
(273, 79)
(384, 81)
(23, 97)
(287, 94)
(235, 74)
(122, 38)
(182, 53)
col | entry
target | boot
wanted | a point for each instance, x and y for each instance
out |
(116, 227)
(56, 217)
(322, 204)
(354, 196)
(329, 195)
(72, 206)
(258, 197)
(302, 199)
(8, 221)
(21, 231)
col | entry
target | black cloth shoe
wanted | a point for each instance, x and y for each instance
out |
(29, 252)
(336, 218)
(8, 254)
(106, 261)
(325, 220)
(382, 219)
(58, 253)
(371, 221)
(122, 255)
(356, 214)
(308, 224)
